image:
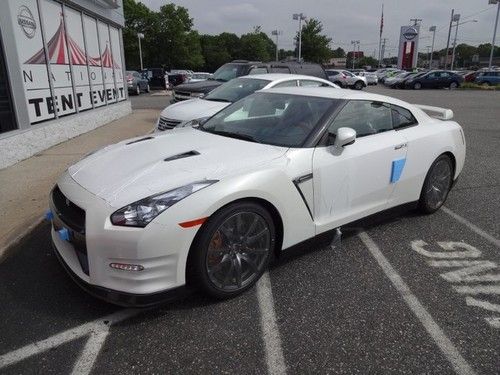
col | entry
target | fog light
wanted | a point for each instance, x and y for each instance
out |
(126, 267)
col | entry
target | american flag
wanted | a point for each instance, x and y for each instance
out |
(382, 21)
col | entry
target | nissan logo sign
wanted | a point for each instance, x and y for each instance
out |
(27, 22)
(410, 33)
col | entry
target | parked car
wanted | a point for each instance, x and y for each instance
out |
(200, 76)
(371, 77)
(136, 82)
(209, 207)
(435, 79)
(238, 68)
(178, 114)
(489, 78)
(156, 77)
(389, 74)
(398, 80)
(173, 80)
(346, 79)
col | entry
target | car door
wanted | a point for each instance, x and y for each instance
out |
(444, 79)
(430, 80)
(358, 179)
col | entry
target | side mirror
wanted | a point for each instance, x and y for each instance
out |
(345, 136)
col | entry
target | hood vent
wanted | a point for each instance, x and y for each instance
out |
(139, 140)
(182, 156)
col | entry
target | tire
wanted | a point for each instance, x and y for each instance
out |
(453, 85)
(240, 236)
(359, 85)
(417, 86)
(148, 90)
(137, 90)
(437, 185)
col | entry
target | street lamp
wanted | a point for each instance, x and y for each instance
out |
(433, 30)
(494, 31)
(457, 16)
(276, 33)
(301, 17)
(354, 43)
(139, 37)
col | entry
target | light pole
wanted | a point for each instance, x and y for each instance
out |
(494, 31)
(300, 17)
(455, 41)
(448, 42)
(354, 43)
(139, 37)
(276, 33)
(433, 30)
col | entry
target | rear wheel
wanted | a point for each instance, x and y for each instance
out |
(359, 85)
(453, 85)
(147, 88)
(232, 250)
(417, 86)
(437, 185)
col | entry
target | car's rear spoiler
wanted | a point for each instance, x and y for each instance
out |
(436, 112)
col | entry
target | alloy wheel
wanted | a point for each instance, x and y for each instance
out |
(439, 183)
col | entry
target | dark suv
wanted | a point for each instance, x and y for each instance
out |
(435, 79)
(238, 68)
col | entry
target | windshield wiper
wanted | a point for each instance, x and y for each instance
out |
(219, 100)
(244, 137)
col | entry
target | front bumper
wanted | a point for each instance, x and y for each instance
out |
(161, 249)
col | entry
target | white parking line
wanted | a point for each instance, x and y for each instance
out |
(56, 340)
(272, 342)
(449, 350)
(474, 228)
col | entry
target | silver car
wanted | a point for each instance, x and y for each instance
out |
(371, 77)
(346, 79)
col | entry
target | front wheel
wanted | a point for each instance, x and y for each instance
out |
(453, 85)
(359, 85)
(232, 249)
(417, 86)
(137, 90)
(437, 185)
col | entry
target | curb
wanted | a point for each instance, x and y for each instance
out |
(6, 249)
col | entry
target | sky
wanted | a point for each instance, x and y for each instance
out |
(344, 20)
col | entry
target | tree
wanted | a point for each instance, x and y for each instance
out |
(256, 46)
(138, 19)
(339, 52)
(315, 46)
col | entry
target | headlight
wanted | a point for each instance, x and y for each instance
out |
(197, 94)
(194, 123)
(141, 213)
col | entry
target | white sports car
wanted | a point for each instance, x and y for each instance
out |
(210, 206)
(180, 113)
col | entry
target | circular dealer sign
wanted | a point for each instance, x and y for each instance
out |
(27, 22)
(410, 33)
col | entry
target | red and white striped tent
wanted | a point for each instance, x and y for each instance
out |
(57, 49)
(107, 59)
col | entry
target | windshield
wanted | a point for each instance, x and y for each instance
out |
(228, 71)
(236, 89)
(270, 118)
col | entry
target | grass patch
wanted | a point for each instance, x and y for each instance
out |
(475, 86)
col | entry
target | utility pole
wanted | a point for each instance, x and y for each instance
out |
(456, 18)
(301, 17)
(428, 60)
(382, 51)
(139, 37)
(415, 21)
(448, 42)
(433, 30)
(276, 33)
(494, 31)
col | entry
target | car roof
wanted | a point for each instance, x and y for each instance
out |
(343, 94)
(282, 76)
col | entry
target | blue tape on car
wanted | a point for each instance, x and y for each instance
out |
(49, 215)
(397, 169)
(63, 234)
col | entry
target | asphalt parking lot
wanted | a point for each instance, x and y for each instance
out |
(401, 293)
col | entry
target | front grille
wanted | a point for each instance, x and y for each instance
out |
(69, 215)
(167, 123)
(182, 95)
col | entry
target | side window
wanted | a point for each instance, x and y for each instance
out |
(257, 71)
(445, 74)
(279, 69)
(432, 76)
(364, 116)
(291, 83)
(310, 83)
(402, 117)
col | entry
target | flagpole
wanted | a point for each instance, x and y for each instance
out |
(380, 38)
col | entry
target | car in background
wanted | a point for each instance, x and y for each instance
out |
(435, 79)
(200, 76)
(390, 74)
(371, 77)
(174, 79)
(346, 79)
(136, 82)
(156, 77)
(239, 68)
(209, 207)
(195, 110)
(489, 78)
(398, 80)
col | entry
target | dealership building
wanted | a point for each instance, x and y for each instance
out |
(61, 72)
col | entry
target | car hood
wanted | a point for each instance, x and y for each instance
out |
(137, 168)
(203, 86)
(192, 109)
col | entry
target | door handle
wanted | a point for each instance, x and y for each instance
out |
(400, 146)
